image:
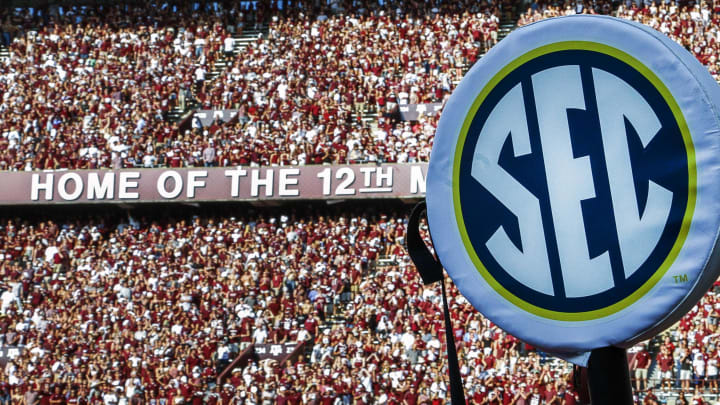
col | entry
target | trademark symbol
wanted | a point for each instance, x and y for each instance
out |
(681, 278)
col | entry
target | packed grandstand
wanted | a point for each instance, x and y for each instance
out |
(244, 304)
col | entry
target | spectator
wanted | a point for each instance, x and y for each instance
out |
(665, 362)
(640, 364)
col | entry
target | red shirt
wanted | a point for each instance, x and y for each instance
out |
(642, 359)
(310, 325)
(665, 362)
(570, 398)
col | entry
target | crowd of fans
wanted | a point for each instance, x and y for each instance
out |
(81, 86)
(687, 357)
(151, 310)
(694, 25)
(682, 363)
(352, 62)
(91, 87)
(261, 144)
(302, 92)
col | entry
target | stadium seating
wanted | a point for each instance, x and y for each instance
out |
(302, 92)
(692, 25)
(159, 309)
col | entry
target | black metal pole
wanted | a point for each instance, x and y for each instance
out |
(609, 377)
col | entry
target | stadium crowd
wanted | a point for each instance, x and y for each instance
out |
(124, 310)
(150, 310)
(694, 25)
(113, 310)
(301, 93)
(80, 87)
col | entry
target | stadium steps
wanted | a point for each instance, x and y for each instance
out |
(506, 27)
(248, 36)
(242, 41)
(176, 114)
(4, 53)
(508, 22)
(654, 378)
(369, 119)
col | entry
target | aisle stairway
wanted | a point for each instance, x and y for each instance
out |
(242, 41)
(506, 27)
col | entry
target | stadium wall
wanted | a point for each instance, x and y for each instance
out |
(317, 182)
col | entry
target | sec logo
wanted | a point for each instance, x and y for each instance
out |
(569, 155)
(576, 161)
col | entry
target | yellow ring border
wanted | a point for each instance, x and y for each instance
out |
(692, 181)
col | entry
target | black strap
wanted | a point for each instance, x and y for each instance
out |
(427, 265)
(431, 270)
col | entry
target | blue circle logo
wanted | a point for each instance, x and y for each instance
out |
(573, 180)
(572, 190)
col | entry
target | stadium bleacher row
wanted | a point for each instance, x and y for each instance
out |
(149, 308)
(694, 25)
(301, 91)
(173, 306)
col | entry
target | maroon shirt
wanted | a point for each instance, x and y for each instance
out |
(642, 359)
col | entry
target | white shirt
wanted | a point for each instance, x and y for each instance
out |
(282, 90)
(229, 44)
(260, 335)
(200, 73)
(408, 340)
(110, 398)
(50, 253)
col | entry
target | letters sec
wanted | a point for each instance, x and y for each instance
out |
(573, 179)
